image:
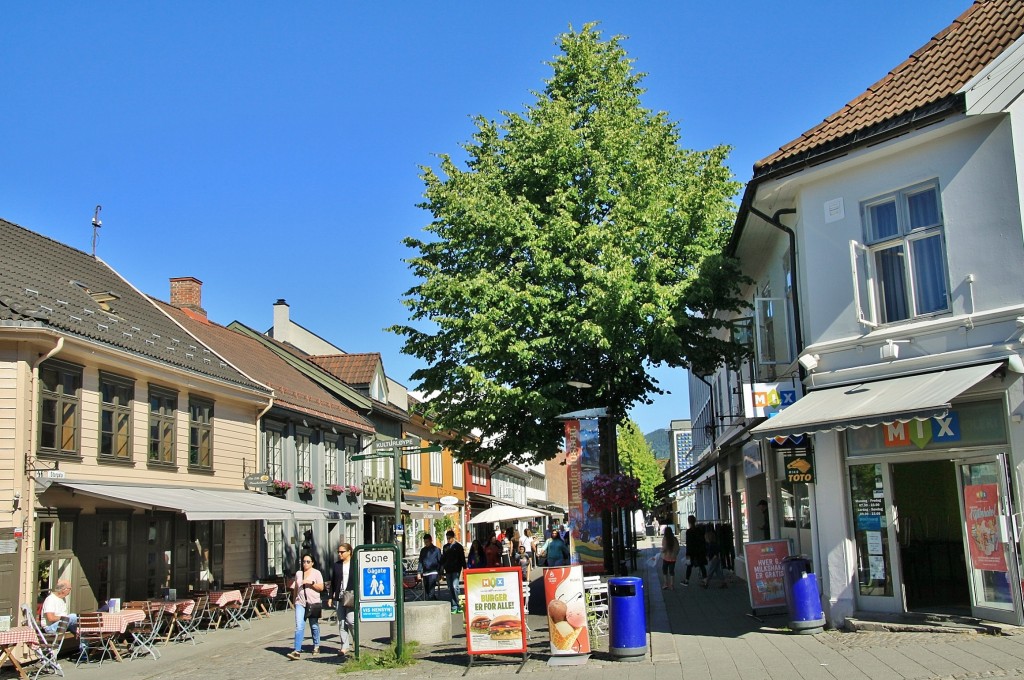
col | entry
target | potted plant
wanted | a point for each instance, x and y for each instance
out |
(306, 487)
(353, 490)
(280, 486)
(335, 489)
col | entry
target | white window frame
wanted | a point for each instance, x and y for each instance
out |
(868, 301)
(330, 461)
(457, 474)
(436, 473)
(275, 548)
(412, 463)
(771, 331)
(303, 456)
(273, 452)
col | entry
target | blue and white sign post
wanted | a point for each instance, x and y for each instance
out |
(377, 597)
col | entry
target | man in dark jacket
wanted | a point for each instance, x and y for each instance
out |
(453, 559)
(430, 566)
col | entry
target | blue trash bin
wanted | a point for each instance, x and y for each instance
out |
(802, 599)
(627, 618)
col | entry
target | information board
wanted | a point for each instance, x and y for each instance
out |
(376, 575)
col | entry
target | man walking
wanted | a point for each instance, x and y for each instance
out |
(430, 565)
(453, 559)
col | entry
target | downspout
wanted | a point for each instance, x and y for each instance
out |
(797, 325)
(28, 500)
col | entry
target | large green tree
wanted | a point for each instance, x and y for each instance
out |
(579, 242)
(636, 459)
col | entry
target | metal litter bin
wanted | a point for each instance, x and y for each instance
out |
(627, 619)
(802, 599)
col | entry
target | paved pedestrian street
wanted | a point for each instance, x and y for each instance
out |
(696, 634)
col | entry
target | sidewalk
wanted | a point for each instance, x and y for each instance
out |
(694, 633)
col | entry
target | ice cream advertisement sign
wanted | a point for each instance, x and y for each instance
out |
(981, 508)
(567, 611)
(765, 573)
(495, 621)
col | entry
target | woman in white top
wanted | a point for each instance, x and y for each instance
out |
(527, 542)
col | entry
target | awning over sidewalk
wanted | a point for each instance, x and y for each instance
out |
(897, 399)
(195, 504)
(385, 507)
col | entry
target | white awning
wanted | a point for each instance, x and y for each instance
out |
(906, 398)
(504, 513)
(195, 504)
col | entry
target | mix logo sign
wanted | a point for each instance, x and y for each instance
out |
(775, 398)
(497, 582)
(764, 400)
(920, 433)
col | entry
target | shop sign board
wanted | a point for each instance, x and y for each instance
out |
(567, 612)
(495, 619)
(765, 573)
(799, 465)
(764, 400)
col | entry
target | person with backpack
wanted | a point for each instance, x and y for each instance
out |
(430, 565)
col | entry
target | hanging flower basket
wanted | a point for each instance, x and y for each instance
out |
(279, 486)
(611, 492)
(336, 489)
(306, 487)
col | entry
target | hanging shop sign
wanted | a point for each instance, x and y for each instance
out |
(799, 464)
(764, 400)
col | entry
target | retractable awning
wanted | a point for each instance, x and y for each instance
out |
(906, 398)
(195, 504)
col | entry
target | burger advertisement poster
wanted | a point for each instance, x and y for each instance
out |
(567, 610)
(495, 621)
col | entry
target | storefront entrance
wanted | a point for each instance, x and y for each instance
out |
(930, 537)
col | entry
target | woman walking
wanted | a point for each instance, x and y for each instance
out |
(309, 583)
(669, 555)
(476, 559)
(342, 588)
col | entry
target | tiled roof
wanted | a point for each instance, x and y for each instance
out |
(292, 390)
(930, 77)
(354, 369)
(55, 286)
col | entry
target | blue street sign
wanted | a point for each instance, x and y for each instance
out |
(377, 611)
(377, 584)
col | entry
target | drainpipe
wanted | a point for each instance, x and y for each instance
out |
(28, 500)
(774, 221)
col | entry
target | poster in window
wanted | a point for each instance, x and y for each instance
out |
(981, 508)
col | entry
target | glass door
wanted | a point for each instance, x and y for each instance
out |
(991, 548)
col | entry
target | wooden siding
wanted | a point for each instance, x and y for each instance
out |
(240, 552)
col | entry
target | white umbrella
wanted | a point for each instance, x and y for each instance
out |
(502, 513)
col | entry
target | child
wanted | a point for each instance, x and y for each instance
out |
(524, 562)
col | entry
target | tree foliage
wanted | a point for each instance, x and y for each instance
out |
(636, 459)
(578, 242)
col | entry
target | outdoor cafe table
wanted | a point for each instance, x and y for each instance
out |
(264, 593)
(116, 623)
(174, 608)
(12, 637)
(221, 599)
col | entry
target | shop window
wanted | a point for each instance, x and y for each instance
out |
(871, 528)
(275, 549)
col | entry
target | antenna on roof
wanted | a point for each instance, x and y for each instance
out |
(96, 224)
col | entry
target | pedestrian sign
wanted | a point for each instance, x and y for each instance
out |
(376, 575)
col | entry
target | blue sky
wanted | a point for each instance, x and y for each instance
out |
(271, 150)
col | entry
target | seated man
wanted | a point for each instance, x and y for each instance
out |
(55, 607)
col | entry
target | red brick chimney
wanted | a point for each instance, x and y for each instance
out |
(187, 293)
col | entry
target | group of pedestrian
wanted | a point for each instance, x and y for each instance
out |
(703, 552)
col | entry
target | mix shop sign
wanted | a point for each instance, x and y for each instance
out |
(921, 433)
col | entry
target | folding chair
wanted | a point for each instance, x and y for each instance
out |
(188, 624)
(48, 646)
(238, 612)
(145, 633)
(596, 594)
(413, 587)
(91, 638)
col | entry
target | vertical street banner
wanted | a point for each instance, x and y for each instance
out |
(495, 619)
(583, 460)
(981, 508)
(567, 611)
(765, 574)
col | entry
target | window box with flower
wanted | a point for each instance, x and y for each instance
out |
(353, 490)
(280, 486)
(306, 487)
(335, 489)
(611, 492)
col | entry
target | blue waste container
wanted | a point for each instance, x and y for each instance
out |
(627, 619)
(802, 599)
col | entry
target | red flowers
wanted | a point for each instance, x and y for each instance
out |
(611, 492)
